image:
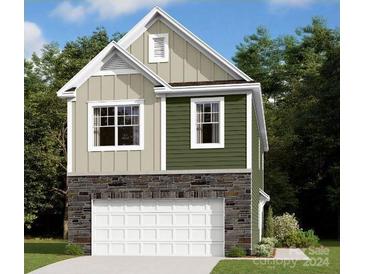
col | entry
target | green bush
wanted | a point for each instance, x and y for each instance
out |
(301, 239)
(288, 233)
(72, 249)
(269, 226)
(285, 226)
(263, 250)
(236, 251)
(269, 241)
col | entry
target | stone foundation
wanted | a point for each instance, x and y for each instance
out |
(235, 188)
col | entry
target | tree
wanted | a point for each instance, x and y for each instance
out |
(269, 225)
(45, 124)
(300, 80)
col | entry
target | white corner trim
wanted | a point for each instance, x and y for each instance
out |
(151, 56)
(140, 27)
(193, 138)
(249, 131)
(163, 133)
(69, 136)
(259, 152)
(113, 103)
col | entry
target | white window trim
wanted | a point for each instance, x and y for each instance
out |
(151, 57)
(193, 102)
(112, 103)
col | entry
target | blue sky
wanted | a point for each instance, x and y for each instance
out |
(222, 24)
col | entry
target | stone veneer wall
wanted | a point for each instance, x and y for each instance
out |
(235, 188)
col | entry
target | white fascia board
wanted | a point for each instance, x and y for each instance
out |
(260, 114)
(141, 27)
(138, 29)
(83, 74)
(96, 63)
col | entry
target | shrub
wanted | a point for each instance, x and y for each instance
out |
(269, 241)
(236, 251)
(300, 238)
(269, 226)
(72, 249)
(308, 238)
(263, 250)
(285, 226)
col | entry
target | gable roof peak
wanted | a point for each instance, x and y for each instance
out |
(69, 89)
(195, 41)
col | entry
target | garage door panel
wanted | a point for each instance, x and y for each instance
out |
(101, 220)
(149, 234)
(116, 220)
(102, 235)
(165, 235)
(133, 220)
(165, 220)
(117, 249)
(181, 219)
(117, 234)
(197, 220)
(149, 220)
(171, 227)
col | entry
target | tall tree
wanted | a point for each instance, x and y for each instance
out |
(300, 80)
(45, 123)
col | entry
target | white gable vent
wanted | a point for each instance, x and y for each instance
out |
(116, 65)
(158, 48)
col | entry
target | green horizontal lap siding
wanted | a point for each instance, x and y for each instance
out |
(179, 155)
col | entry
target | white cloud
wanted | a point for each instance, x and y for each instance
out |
(33, 38)
(112, 8)
(292, 3)
(69, 12)
(105, 9)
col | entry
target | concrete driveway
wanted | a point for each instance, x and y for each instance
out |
(131, 265)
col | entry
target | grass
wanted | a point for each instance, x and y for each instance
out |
(325, 260)
(41, 252)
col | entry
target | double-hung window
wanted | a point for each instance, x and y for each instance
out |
(116, 125)
(207, 122)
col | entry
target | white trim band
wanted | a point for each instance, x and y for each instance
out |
(163, 133)
(249, 131)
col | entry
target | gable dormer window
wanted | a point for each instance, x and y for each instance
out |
(158, 48)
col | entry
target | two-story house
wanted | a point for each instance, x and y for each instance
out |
(166, 142)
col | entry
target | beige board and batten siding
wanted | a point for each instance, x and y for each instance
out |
(116, 87)
(186, 63)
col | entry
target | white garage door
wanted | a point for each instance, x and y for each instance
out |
(168, 227)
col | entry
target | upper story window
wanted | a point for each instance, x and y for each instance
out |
(158, 48)
(116, 125)
(207, 122)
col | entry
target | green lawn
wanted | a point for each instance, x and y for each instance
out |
(41, 252)
(323, 260)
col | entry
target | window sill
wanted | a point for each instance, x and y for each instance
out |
(206, 146)
(116, 148)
